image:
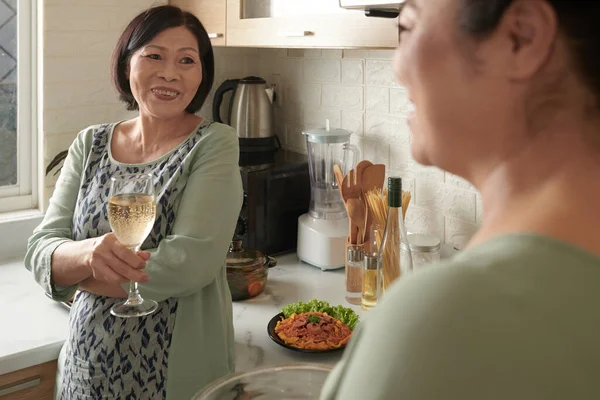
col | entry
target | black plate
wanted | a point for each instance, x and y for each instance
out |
(271, 331)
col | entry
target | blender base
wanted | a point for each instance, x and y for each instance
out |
(322, 243)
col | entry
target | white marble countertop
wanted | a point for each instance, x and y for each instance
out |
(33, 328)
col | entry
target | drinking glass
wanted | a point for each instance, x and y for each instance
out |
(131, 214)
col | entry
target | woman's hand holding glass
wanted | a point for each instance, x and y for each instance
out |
(111, 262)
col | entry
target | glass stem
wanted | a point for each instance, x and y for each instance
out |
(134, 296)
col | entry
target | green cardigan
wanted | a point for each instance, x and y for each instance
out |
(188, 264)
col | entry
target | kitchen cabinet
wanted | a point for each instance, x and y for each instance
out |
(305, 23)
(212, 14)
(33, 383)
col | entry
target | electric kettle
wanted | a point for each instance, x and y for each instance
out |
(250, 108)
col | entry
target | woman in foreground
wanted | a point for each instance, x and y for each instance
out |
(506, 95)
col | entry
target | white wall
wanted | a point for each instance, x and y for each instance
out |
(357, 90)
(79, 36)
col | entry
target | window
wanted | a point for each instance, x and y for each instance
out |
(17, 105)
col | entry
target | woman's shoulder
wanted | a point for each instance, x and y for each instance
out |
(216, 131)
(217, 137)
(88, 134)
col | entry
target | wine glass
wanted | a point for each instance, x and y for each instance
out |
(131, 214)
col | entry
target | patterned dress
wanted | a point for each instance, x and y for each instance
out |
(120, 358)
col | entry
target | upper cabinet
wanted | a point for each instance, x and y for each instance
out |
(290, 23)
(305, 23)
(212, 13)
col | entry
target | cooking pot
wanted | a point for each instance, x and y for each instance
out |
(247, 271)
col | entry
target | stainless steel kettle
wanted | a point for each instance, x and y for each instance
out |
(250, 108)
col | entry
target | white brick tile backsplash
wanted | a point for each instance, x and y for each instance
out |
(322, 70)
(303, 93)
(429, 194)
(353, 72)
(345, 97)
(399, 101)
(312, 53)
(387, 127)
(379, 73)
(295, 53)
(377, 99)
(353, 121)
(354, 53)
(380, 54)
(459, 203)
(401, 159)
(457, 181)
(332, 53)
(314, 117)
(291, 70)
(376, 151)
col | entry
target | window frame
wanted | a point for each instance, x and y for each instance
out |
(24, 195)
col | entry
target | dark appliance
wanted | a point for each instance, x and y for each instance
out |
(275, 195)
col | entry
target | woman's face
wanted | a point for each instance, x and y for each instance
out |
(165, 74)
(457, 94)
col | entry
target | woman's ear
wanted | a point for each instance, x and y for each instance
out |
(531, 28)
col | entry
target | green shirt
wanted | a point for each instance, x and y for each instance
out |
(186, 266)
(514, 318)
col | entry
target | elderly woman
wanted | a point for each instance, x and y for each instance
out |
(506, 95)
(162, 66)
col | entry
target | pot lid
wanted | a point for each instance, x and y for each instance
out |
(239, 257)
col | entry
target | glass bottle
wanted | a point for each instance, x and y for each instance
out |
(394, 255)
(371, 271)
(354, 273)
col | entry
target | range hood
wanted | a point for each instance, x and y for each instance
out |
(374, 8)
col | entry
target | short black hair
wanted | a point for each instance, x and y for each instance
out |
(578, 22)
(141, 30)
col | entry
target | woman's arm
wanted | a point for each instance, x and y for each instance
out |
(189, 259)
(55, 230)
(58, 263)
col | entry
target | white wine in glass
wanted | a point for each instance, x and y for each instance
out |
(131, 214)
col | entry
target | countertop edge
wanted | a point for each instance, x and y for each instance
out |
(30, 357)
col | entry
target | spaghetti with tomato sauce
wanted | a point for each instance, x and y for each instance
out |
(313, 331)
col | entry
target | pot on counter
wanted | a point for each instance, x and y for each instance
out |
(247, 271)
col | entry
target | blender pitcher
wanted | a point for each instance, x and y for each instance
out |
(322, 232)
(326, 148)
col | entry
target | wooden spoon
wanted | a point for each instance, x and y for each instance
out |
(339, 177)
(356, 212)
(373, 177)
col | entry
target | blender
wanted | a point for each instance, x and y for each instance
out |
(322, 232)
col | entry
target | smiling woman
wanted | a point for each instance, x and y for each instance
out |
(162, 66)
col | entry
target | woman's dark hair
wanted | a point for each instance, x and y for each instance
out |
(141, 30)
(578, 21)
